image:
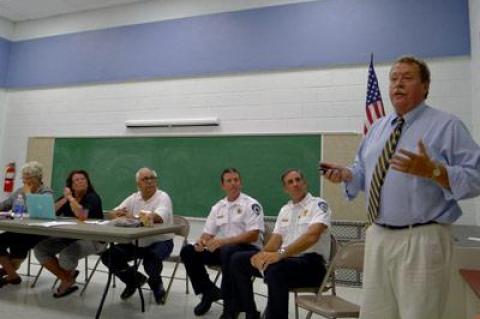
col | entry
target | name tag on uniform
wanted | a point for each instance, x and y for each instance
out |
(284, 222)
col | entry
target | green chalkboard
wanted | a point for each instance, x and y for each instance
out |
(189, 167)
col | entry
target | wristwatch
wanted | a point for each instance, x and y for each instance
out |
(282, 252)
(436, 171)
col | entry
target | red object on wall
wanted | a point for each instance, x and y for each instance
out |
(9, 177)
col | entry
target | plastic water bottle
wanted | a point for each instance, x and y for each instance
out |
(19, 207)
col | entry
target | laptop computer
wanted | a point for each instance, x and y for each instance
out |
(40, 206)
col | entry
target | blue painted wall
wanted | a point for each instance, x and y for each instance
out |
(5, 47)
(304, 35)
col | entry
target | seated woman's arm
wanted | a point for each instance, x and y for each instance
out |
(93, 203)
(59, 203)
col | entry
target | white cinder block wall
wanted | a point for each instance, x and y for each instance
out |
(314, 100)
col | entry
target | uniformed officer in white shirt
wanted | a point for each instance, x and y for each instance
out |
(295, 255)
(235, 223)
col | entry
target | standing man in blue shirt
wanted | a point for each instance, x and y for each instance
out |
(414, 165)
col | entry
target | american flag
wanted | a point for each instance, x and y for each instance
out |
(374, 105)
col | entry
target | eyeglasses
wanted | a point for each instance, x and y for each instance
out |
(292, 180)
(148, 178)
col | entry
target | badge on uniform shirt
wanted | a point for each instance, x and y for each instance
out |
(256, 208)
(303, 214)
(219, 216)
(323, 206)
(239, 211)
(284, 220)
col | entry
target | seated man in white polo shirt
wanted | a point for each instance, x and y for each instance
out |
(153, 204)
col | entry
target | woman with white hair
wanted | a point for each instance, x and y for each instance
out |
(14, 247)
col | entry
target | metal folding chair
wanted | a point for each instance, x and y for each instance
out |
(349, 256)
(183, 232)
(314, 290)
(329, 277)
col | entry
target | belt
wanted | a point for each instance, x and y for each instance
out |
(394, 227)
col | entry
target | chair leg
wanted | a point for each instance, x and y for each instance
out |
(295, 302)
(36, 277)
(89, 277)
(217, 276)
(86, 268)
(309, 315)
(54, 283)
(170, 282)
(29, 262)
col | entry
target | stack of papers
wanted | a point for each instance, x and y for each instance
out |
(98, 222)
(53, 223)
(66, 223)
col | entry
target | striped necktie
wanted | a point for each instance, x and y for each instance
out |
(381, 170)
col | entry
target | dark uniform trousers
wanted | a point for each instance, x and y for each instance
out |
(195, 265)
(304, 271)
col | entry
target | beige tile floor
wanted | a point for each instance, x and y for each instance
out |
(23, 302)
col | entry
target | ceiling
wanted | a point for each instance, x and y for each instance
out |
(22, 10)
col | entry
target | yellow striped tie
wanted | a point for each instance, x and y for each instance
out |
(381, 170)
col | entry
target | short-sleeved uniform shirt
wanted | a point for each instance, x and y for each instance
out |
(294, 219)
(227, 219)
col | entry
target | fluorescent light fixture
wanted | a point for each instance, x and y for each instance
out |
(204, 121)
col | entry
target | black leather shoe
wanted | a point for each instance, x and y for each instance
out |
(132, 287)
(252, 315)
(208, 297)
(228, 315)
(158, 292)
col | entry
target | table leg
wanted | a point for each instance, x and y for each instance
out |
(136, 265)
(110, 274)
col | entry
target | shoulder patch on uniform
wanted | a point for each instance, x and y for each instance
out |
(323, 206)
(256, 208)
